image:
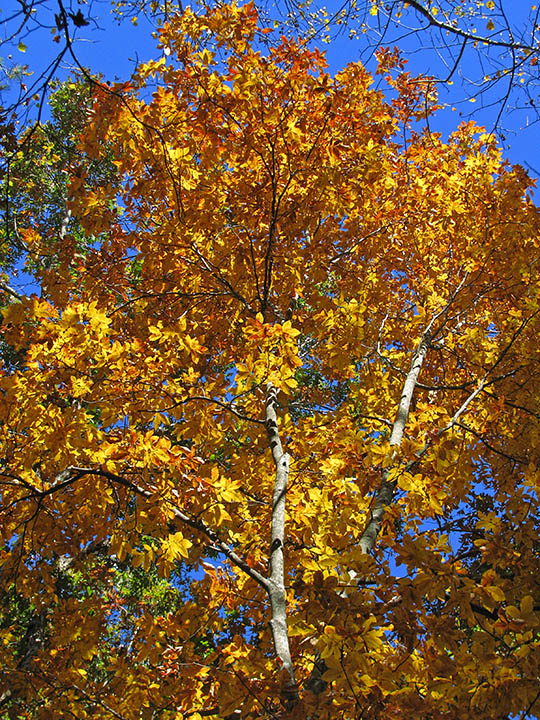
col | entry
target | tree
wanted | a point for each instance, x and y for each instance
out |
(270, 448)
(475, 53)
(34, 190)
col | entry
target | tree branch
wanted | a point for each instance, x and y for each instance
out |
(448, 27)
(10, 291)
(72, 474)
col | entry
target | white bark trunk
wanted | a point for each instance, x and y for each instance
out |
(276, 591)
(386, 489)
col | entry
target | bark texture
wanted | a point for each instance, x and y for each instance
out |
(276, 590)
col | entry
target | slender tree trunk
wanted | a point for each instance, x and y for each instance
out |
(386, 489)
(276, 590)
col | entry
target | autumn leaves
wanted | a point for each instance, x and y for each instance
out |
(300, 350)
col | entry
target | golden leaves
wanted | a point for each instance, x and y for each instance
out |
(271, 356)
(175, 546)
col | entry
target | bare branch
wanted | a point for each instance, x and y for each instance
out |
(473, 37)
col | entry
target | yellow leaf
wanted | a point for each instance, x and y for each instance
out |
(80, 386)
(178, 546)
(496, 593)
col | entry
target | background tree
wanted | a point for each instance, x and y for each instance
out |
(36, 185)
(297, 380)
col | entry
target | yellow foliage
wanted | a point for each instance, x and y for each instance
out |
(292, 293)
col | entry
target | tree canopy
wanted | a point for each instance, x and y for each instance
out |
(270, 435)
(478, 51)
